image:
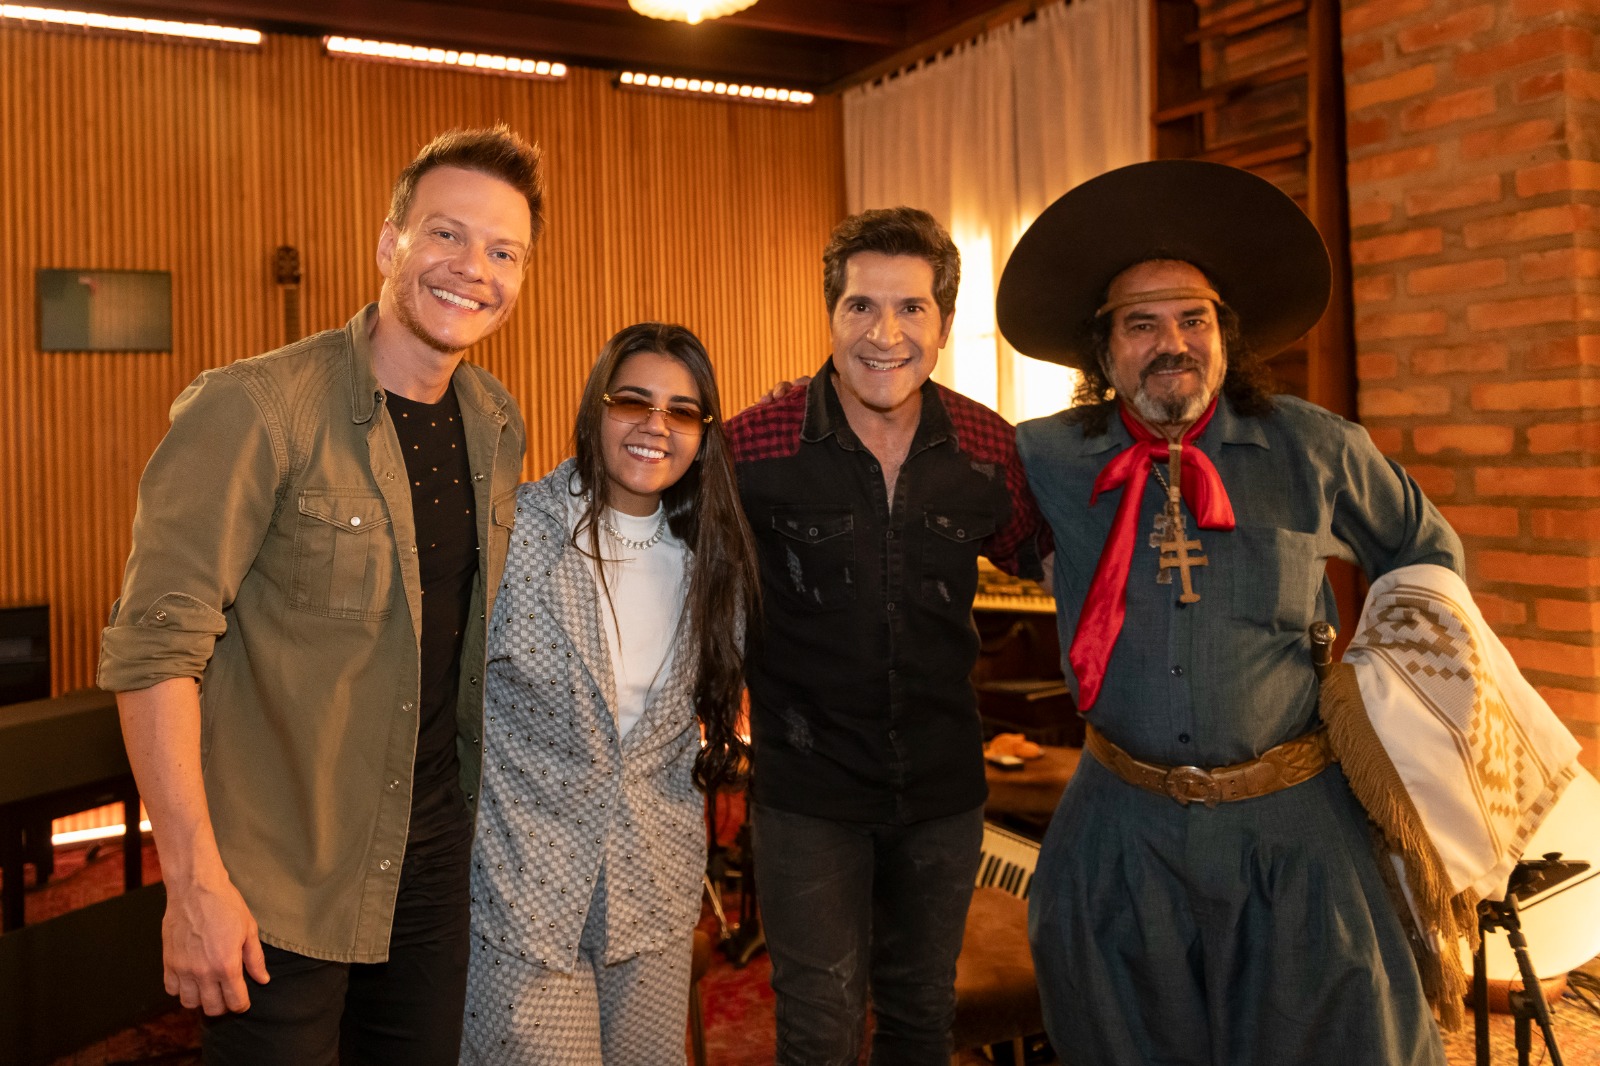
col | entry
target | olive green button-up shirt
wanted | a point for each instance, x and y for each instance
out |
(275, 560)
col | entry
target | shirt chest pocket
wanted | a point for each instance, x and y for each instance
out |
(1278, 573)
(814, 555)
(344, 556)
(502, 520)
(950, 544)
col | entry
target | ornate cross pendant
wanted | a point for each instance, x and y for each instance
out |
(1172, 538)
(1175, 554)
(1175, 545)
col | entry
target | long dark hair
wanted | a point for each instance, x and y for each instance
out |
(703, 511)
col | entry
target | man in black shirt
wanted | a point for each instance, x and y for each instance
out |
(871, 493)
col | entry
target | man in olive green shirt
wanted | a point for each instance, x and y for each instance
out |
(298, 645)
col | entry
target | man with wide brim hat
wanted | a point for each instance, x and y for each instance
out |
(1252, 242)
(1207, 892)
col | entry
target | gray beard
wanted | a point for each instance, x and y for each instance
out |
(1174, 412)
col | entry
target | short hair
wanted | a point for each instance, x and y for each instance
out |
(497, 152)
(893, 231)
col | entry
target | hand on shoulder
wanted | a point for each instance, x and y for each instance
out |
(778, 391)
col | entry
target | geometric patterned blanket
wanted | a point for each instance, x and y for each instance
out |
(1480, 753)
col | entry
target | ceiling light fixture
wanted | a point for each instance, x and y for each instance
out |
(53, 18)
(732, 90)
(419, 55)
(691, 11)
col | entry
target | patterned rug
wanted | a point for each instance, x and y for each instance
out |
(737, 1003)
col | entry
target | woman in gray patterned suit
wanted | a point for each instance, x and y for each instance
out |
(630, 582)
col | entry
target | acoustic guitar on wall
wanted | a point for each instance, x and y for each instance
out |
(286, 275)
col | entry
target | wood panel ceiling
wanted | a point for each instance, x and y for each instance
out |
(810, 44)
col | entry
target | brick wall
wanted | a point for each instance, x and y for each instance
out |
(1474, 145)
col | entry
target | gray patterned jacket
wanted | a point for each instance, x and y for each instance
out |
(564, 802)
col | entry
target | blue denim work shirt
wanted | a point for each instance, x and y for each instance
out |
(1222, 680)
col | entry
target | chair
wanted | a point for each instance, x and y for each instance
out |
(997, 994)
(697, 970)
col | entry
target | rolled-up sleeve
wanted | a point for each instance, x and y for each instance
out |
(206, 503)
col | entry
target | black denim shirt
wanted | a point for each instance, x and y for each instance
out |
(861, 704)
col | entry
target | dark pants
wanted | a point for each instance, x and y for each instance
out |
(853, 905)
(1255, 933)
(403, 1012)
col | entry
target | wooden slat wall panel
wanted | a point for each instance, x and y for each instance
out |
(118, 153)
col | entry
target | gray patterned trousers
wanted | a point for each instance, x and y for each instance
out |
(630, 1013)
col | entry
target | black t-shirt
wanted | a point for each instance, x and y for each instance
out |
(435, 445)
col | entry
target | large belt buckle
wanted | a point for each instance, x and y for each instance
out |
(1190, 784)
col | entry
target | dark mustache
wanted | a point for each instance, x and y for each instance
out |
(1168, 361)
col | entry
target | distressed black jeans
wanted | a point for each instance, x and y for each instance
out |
(850, 907)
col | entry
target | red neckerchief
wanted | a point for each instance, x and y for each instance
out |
(1100, 622)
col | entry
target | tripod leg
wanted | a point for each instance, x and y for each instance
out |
(1533, 1004)
(1480, 995)
(1522, 1029)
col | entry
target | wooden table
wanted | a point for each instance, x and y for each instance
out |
(58, 757)
(1030, 794)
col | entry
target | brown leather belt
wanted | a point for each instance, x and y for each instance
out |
(1276, 769)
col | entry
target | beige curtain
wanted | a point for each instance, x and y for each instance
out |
(985, 138)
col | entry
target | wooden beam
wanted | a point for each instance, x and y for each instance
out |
(1331, 366)
(1224, 92)
(811, 44)
(1246, 21)
(1332, 377)
(927, 19)
(992, 16)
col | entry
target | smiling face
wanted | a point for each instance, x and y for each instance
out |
(1166, 356)
(453, 267)
(644, 459)
(887, 332)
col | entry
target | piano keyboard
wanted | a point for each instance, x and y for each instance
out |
(1031, 603)
(999, 591)
(1007, 861)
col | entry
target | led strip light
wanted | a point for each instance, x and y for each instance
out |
(418, 55)
(663, 83)
(104, 832)
(89, 20)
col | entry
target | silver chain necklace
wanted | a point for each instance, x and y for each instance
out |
(637, 545)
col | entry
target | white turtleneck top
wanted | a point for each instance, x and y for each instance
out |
(639, 621)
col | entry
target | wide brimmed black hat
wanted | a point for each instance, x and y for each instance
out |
(1260, 251)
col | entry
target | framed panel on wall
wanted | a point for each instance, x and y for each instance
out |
(105, 310)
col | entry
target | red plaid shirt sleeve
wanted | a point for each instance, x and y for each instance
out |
(1018, 546)
(770, 430)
